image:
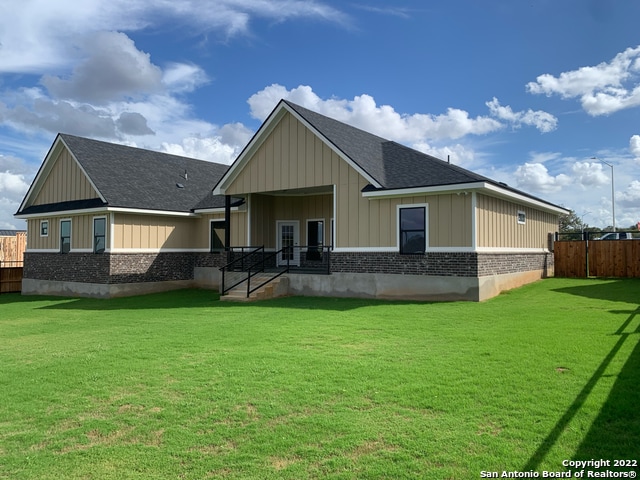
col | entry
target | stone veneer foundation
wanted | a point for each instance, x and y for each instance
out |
(432, 276)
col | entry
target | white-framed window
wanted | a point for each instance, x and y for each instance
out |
(217, 235)
(412, 228)
(99, 234)
(44, 228)
(522, 217)
(65, 236)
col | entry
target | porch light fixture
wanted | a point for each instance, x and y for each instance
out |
(613, 200)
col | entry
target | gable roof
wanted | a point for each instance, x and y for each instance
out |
(387, 165)
(132, 178)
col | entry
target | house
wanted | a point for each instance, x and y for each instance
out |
(12, 246)
(397, 223)
(107, 220)
(380, 219)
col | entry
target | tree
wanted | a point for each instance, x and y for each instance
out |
(571, 223)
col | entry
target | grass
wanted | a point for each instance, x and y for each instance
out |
(180, 385)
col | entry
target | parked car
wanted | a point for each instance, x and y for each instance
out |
(619, 236)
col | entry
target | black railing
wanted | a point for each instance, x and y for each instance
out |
(247, 262)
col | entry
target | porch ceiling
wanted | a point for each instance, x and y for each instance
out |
(296, 192)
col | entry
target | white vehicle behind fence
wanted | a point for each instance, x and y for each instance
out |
(620, 236)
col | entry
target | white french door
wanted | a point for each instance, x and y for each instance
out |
(289, 242)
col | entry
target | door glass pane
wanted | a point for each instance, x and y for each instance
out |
(286, 237)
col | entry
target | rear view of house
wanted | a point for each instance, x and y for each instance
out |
(380, 220)
(396, 223)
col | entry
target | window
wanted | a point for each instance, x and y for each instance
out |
(315, 239)
(522, 217)
(412, 229)
(99, 234)
(44, 228)
(65, 236)
(217, 236)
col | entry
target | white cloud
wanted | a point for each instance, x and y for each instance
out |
(634, 146)
(535, 177)
(589, 174)
(602, 89)
(113, 69)
(383, 120)
(543, 121)
(630, 197)
(37, 35)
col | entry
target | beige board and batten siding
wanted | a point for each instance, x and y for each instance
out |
(292, 157)
(498, 226)
(81, 232)
(65, 182)
(159, 232)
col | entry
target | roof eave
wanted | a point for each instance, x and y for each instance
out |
(486, 187)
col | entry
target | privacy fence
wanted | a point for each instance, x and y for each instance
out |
(10, 277)
(585, 255)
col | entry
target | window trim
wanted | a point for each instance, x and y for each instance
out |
(324, 234)
(426, 226)
(211, 222)
(70, 234)
(43, 223)
(93, 247)
(523, 214)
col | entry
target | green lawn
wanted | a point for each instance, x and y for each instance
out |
(180, 385)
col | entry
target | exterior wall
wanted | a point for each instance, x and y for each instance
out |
(65, 182)
(433, 276)
(498, 225)
(81, 232)
(155, 232)
(293, 157)
(108, 275)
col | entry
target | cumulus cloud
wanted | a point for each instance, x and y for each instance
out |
(602, 89)
(415, 129)
(112, 70)
(543, 121)
(634, 146)
(536, 178)
(37, 34)
(589, 174)
(630, 197)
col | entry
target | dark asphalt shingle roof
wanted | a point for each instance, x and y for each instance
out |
(10, 233)
(130, 177)
(392, 165)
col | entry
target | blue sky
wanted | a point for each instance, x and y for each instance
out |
(534, 94)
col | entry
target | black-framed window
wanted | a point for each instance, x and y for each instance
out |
(44, 228)
(412, 230)
(99, 234)
(315, 239)
(217, 236)
(65, 236)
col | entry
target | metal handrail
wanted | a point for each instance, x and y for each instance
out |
(259, 265)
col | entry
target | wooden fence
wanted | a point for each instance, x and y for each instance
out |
(12, 248)
(10, 279)
(597, 258)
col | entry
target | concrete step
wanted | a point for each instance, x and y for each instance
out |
(273, 289)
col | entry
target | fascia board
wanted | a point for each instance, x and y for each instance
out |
(109, 209)
(264, 131)
(84, 172)
(481, 187)
(45, 169)
(236, 167)
(336, 150)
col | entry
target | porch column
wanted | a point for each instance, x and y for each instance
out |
(227, 222)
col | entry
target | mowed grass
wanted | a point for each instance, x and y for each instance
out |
(180, 385)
